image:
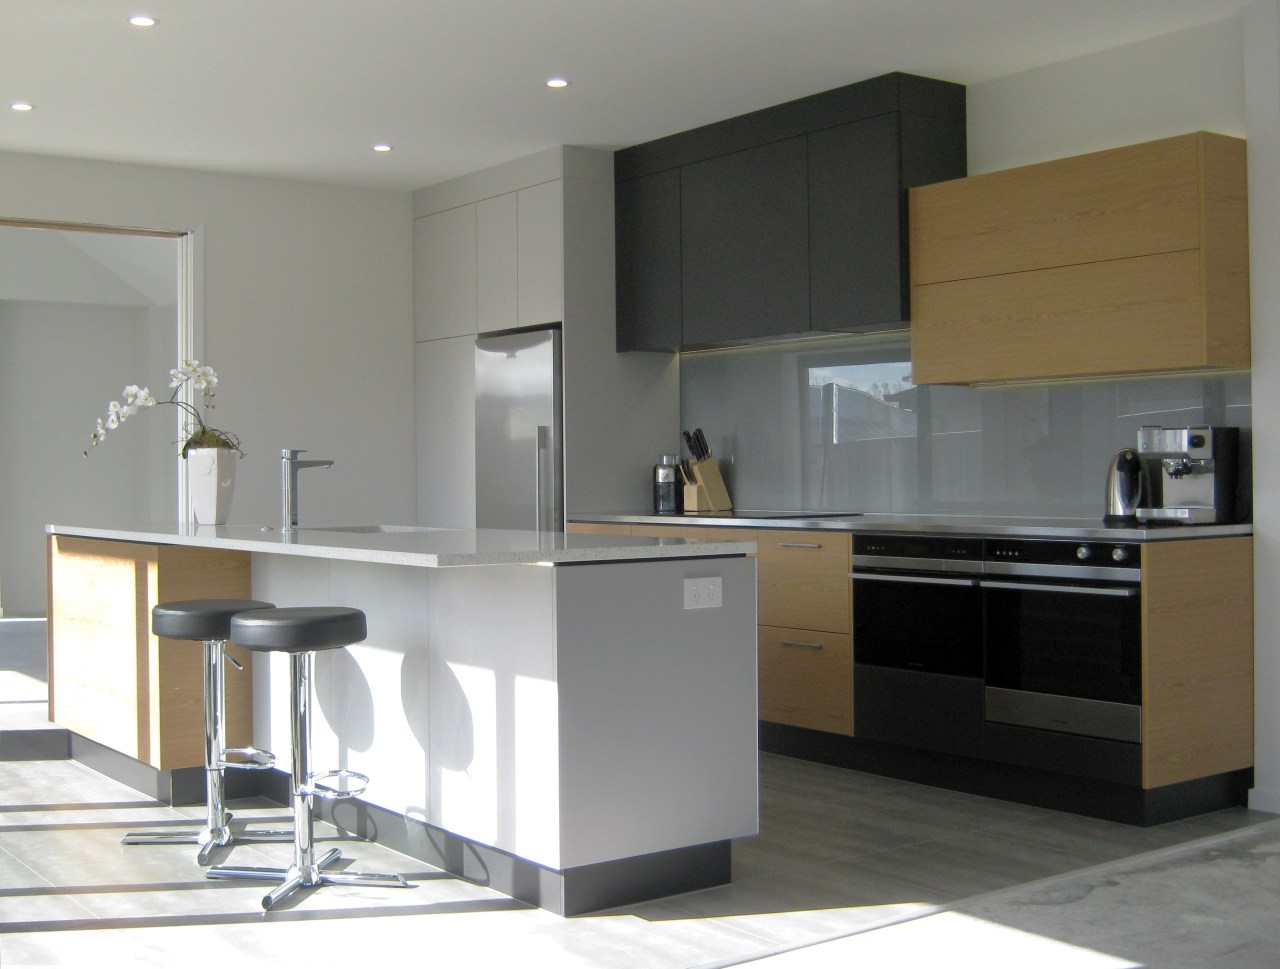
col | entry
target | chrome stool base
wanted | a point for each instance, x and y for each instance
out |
(207, 838)
(300, 632)
(295, 877)
(216, 832)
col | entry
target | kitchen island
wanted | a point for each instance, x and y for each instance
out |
(556, 714)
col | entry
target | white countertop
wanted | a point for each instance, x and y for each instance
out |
(412, 545)
(1025, 526)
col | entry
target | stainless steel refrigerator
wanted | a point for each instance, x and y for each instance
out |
(519, 430)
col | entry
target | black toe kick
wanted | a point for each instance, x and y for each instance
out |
(1090, 796)
(567, 892)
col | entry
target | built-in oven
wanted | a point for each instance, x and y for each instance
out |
(917, 641)
(1062, 636)
(918, 603)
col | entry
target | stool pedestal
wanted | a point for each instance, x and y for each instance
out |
(210, 620)
(300, 632)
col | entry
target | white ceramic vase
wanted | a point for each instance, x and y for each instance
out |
(211, 479)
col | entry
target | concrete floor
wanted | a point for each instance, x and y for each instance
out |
(849, 868)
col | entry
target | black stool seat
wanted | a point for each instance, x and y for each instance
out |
(199, 619)
(210, 620)
(301, 629)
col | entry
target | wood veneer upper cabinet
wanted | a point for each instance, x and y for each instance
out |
(1197, 659)
(1132, 260)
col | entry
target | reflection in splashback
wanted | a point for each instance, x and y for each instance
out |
(838, 425)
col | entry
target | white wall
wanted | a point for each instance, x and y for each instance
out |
(1262, 74)
(48, 410)
(1221, 77)
(1192, 80)
(305, 292)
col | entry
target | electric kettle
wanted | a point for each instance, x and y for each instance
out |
(1124, 488)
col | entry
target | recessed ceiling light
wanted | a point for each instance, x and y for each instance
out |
(142, 20)
(557, 82)
(382, 148)
(22, 106)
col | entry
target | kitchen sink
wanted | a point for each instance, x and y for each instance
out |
(371, 529)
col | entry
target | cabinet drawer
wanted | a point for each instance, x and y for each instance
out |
(695, 533)
(1122, 316)
(1130, 201)
(806, 679)
(598, 528)
(804, 580)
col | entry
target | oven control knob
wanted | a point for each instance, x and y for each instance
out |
(1084, 553)
(1120, 554)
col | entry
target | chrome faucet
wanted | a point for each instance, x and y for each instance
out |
(289, 468)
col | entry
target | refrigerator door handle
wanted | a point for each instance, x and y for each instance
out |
(542, 441)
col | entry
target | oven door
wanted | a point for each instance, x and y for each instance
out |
(922, 622)
(1064, 655)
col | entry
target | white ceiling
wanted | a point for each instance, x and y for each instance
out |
(304, 88)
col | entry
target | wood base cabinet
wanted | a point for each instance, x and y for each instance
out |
(110, 679)
(806, 678)
(1132, 260)
(804, 609)
(1197, 659)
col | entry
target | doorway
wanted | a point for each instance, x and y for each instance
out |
(84, 311)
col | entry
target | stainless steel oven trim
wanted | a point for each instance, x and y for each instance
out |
(972, 566)
(1095, 573)
(1091, 590)
(1065, 714)
(912, 579)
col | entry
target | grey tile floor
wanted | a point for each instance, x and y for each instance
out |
(839, 852)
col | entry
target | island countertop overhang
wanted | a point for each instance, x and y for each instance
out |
(410, 545)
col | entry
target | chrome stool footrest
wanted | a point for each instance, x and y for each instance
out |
(255, 759)
(300, 632)
(315, 784)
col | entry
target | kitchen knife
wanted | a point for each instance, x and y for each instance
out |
(702, 443)
(693, 446)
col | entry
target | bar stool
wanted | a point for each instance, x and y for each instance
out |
(209, 621)
(300, 632)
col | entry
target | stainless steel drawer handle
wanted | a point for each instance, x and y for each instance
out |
(799, 545)
(799, 645)
(911, 579)
(1084, 590)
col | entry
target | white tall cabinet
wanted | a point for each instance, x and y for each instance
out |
(528, 243)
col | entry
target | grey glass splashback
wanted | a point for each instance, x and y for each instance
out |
(838, 425)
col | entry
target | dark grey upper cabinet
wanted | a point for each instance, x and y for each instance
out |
(784, 221)
(744, 231)
(647, 240)
(857, 273)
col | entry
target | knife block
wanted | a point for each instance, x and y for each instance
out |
(708, 492)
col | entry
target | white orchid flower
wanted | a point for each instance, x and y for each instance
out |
(196, 433)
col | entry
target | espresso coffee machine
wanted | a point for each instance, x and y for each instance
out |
(1190, 474)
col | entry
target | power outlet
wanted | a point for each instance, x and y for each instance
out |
(707, 593)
